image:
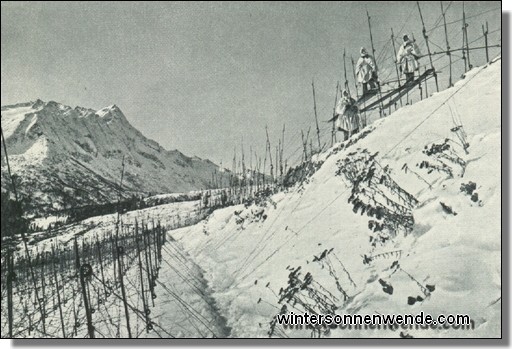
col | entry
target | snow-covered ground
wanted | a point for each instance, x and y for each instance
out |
(248, 255)
(181, 301)
(167, 215)
(401, 218)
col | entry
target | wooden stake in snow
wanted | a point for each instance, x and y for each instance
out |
(233, 169)
(43, 284)
(120, 252)
(354, 74)
(486, 32)
(381, 111)
(428, 45)
(143, 293)
(148, 261)
(448, 53)
(58, 293)
(251, 170)
(270, 157)
(396, 63)
(333, 134)
(10, 279)
(277, 159)
(244, 174)
(316, 116)
(305, 146)
(466, 34)
(100, 258)
(265, 165)
(345, 72)
(82, 272)
(282, 152)
(426, 84)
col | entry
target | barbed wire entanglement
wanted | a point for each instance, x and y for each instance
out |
(102, 280)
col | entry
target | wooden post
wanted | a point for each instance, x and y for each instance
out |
(143, 293)
(148, 264)
(345, 72)
(305, 146)
(10, 279)
(261, 175)
(100, 257)
(333, 136)
(371, 36)
(464, 39)
(155, 241)
(81, 273)
(113, 253)
(244, 173)
(75, 326)
(233, 169)
(428, 45)
(120, 188)
(448, 53)
(251, 170)
(464, 51)
(29, 324)
(277, 162)
(118, 209)
(119, 254)
(281, 165)
(58, 294)
(421, 90)
(43, 289)
(396, 63)
(486, 32)
(316, 116)
(466, 35)
(355, 79)
(264, 183)
(148, 248)
(381, 107)
(269, 148)
(426, 85)
(159, 242)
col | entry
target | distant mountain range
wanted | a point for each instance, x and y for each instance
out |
(66, 157)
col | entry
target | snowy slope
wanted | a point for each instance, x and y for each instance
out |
(443, 247)
(389, 216)
(67, 157)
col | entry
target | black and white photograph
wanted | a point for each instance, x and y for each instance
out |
(252, 170)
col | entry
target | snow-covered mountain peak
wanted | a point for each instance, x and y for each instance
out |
(84, 112)
(37, 104)
(61, 153)
(110, 112)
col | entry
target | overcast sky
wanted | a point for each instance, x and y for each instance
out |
(199, 77)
